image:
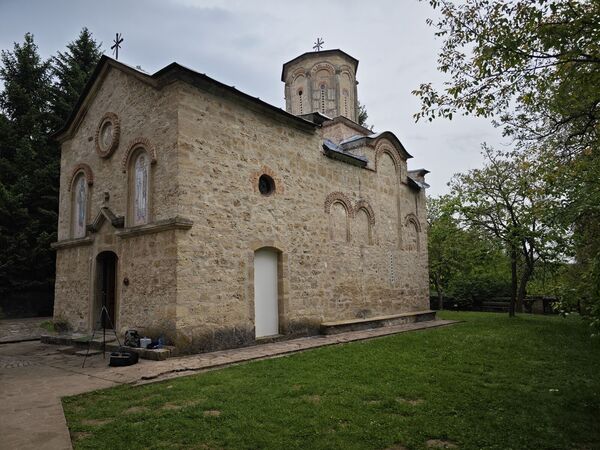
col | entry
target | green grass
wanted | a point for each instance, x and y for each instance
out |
(488, 383)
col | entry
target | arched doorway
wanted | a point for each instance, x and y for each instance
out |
(106, 282)
(266, 292)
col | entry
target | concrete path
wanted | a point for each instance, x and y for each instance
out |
(34, 377)
(16, 330)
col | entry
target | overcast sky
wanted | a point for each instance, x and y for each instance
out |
(245, 43)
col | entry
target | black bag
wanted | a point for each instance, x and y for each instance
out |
(122, 357)
(132, 338)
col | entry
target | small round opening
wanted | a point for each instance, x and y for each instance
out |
(300, 92)
(266, 185)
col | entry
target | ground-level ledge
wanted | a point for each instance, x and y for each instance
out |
(173, 223)
(68, 243)
(342, 326)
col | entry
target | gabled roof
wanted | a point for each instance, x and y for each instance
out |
(323, 53)
(166, 75)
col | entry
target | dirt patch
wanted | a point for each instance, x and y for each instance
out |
(439, 443)
(171, 406)
(296, 387)
(135, 410)
(410, 401)
(373, 402)
(96, 422)
(314, 399)
(79, 435)
(212, 413)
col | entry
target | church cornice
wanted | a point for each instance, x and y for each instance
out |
(322, 54)
(173, 223)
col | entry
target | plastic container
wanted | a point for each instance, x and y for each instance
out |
(145, 342)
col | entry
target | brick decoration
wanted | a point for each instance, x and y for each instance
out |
(341, 198)
(363, 204)
(114, 120)
(265, 170)
(322, 66)
(410, 217)
(87, 171)
(134, 145)
(384, 146)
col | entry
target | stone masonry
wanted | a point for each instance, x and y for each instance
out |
(347, 218)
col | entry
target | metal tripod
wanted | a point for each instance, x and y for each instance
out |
(104, 316)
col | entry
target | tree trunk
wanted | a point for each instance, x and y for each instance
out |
(514, 282)
(522, 292)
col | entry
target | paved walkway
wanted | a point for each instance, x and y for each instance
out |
(15, 330)
(34, 377)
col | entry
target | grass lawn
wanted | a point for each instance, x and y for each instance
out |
(488, 383)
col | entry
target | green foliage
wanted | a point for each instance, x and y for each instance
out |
(36, 99)
(464, 264)
(508, 200)
(363, 116)
(535, 67)
(533, 64)
(29, 175)
(454, 383)
(72, 70)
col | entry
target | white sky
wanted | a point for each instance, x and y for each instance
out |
(245, 43)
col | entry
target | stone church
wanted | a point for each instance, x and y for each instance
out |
(190, 208)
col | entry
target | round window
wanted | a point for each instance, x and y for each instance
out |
(107, 135)
(266, 185)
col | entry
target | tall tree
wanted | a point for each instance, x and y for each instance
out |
(29, 176)
(71, 70)
(508, 200)
(535, 65)
(464, 263)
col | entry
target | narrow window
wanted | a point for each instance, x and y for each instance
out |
(300, 99)
(323, 89)
(79, 206)
(345, 94)
(140, 190)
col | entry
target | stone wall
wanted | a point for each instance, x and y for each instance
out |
(343, 233)
(224, 146)
(148, 261)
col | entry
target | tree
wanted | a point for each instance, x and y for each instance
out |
(508, 200)
(72, 69)
(37, 98)
(363, 116)
(534, 65)
(463, 263)
(29, 176)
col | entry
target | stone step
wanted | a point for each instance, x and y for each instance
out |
(69, 349)
(78, 344)
(92, 352)
(342, 326)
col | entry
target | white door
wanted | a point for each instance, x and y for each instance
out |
(266, 310)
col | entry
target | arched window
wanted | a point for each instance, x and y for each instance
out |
(140, 182)
(80, 194)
